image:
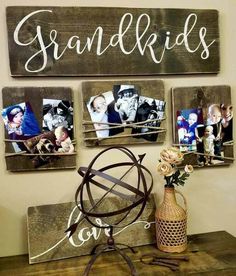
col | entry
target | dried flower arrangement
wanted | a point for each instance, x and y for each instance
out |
(170, 158)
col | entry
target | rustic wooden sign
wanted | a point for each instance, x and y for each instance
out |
(34, 143)
(93, 41)
(47, 224)
(146, 103)
(203, 124)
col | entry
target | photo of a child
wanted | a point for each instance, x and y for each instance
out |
(20, 123)
(57, 113)
(102, 112)
(63, 140)
(203, 127)
(126, 102)
(187, 122)
(218, 124)
(208, 140)
(214, 114)
(47, 144)
(149, 111)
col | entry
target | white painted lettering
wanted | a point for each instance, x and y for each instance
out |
(144, 41)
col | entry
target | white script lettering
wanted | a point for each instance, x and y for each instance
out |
(145, 43)
(86, 233)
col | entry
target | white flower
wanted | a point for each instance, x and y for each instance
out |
(165, 169)
(172, 155)
(188, 168)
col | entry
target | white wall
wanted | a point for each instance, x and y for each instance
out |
(210, 192)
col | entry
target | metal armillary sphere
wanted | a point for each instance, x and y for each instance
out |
(134, 197)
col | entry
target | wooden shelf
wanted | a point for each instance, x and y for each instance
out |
(209, 253)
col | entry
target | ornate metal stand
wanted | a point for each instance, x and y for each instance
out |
(110, 245)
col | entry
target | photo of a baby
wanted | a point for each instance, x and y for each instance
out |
(57, 113)
(187, 122)
(45, 145)
(126, 102)
(20, 123)
(217, 130)
(102, 111)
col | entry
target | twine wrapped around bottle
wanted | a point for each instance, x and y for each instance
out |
(171, 223)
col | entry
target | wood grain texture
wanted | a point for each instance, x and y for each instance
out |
(47, 225)
(200, 97)
(148, 88)
(209, 254)
(83, 22)
(35, 96)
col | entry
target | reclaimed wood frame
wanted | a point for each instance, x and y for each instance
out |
(149, 88)
(201, 97)
(21, 161)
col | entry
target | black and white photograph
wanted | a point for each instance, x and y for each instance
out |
(151, 112)
(120, 112)
(103, 114)
(57, 113)
(126, 101)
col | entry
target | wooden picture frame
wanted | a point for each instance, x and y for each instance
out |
(40, 150)
(202, 119)
(135, 132)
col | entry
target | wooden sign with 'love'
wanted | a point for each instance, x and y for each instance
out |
(93, 41)
(47, 224)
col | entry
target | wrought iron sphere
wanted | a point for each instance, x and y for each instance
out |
(139, 193)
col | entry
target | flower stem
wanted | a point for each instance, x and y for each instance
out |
(169, 182)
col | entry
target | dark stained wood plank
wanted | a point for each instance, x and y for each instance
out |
(209, 253)
(148, 88)
(201, 97)
(35, 96)
(47, 225)
(150, 41)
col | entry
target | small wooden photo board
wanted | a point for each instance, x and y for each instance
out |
(39, 129)
(47, 240)
(203, 124)
(123, 112)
